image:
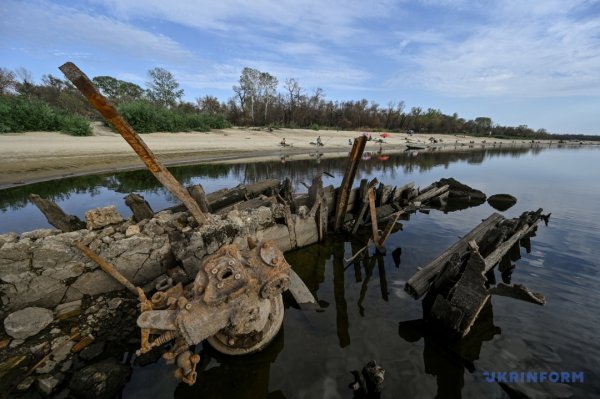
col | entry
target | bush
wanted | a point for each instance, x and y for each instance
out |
(146, 117)
(76, 126)
(18, 114)
(315, 126)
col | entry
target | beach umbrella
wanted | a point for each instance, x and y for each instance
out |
(384, 157)
(385, 135)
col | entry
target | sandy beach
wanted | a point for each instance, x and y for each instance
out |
(38, 156)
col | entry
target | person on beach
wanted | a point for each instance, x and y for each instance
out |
(319, 142)
(283, 144)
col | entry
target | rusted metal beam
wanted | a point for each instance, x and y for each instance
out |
(87, 88)
(342, 201)
(107, 267)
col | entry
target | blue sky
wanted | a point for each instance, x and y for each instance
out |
(516, 61)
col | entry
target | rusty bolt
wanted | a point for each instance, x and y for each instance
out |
(214, 271)
(188, 306)
(237, 276)
(231, 263)
(220, 285)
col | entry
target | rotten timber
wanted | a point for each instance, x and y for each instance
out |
(355, 155)
(139, 206)
(56, 216)
(458, 282)
(420, 282)
(87, 88)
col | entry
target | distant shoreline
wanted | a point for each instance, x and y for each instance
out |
(31, 157)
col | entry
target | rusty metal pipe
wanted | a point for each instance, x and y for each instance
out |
(107, 267)
(87, 88)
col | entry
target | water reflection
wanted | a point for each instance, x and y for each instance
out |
(448, 360)
(297, 170)
(243, 377)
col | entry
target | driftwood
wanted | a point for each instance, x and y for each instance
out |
(458, 311)
(518, 291)
(431, 193)
(56, 216)
(229, 196)
(420, 282)
(139, 206)
(459, 289)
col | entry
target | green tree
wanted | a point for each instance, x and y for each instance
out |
(163, 88)
(7, 80)
(118, 90)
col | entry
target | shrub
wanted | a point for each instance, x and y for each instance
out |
(18, 114)
(315, 126)
(146, 117)
(75, 125)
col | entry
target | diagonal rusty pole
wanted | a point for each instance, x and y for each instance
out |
(344, 191)
(85, 86)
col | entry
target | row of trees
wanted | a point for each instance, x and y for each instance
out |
(258, 102)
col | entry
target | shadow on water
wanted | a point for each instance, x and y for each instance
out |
(243, 377)
(448, 360)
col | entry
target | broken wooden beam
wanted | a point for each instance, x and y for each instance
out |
(374, 226)
(458, 311)
(518, 291)
(365, 205)
(342, 201)
(87, 88)
(139, 206)
(56, 216)
(420, 282)
(430, 193)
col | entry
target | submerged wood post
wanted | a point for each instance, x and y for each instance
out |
(87, 88)
(56, 216)
(139, 206)
(342, 201)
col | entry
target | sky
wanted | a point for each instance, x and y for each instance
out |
(519, 62)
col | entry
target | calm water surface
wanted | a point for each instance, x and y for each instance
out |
(367, 315)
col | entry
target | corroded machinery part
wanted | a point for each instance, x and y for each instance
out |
(235, 302)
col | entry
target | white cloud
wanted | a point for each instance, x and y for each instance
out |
(525, 49)
(43, 25)
(330, 21)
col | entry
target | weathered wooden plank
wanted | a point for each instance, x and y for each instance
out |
(361, 215)
(466, 299)
(342, 201)
(429, 194)
(518, 291)
(420, 282)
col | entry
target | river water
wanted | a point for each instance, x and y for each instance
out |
(366, 313)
